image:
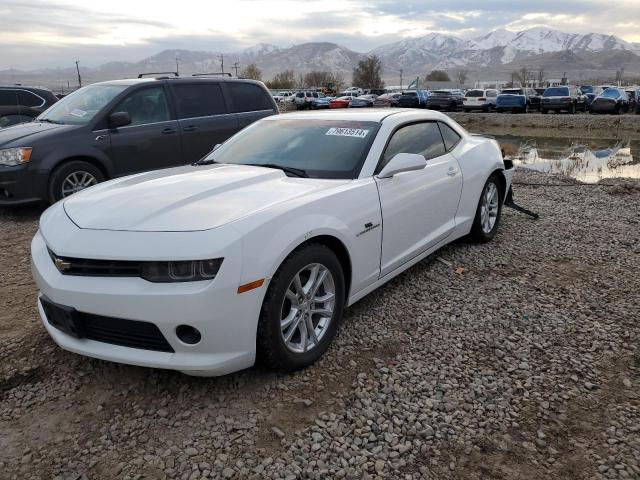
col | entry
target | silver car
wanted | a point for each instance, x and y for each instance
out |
(479, 99)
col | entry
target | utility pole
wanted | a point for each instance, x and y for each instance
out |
(222, 62)
(177, 66)
(400, 79)
(236, 67)
(79, 77)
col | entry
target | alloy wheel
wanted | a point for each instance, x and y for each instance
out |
(76, 181)
(307, 308)
(489, 207)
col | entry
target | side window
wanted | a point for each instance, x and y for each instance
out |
(422, 138)
(29, 99)
(450, 137)
(7, 120)
(199, 100)
(145, 106)
(248, 97)
(492, 93)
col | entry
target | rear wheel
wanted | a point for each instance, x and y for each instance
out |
(302, 309)
(487, 219)
(572, 108)
(72, 177)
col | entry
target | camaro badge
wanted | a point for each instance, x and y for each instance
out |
(61, 264)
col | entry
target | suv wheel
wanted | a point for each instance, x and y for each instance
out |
(72, 177)
(572, 108)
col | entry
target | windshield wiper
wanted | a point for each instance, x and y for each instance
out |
(48, 120)
(297, 172)
(204, 162)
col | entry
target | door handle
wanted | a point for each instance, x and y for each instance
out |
(453, 171)
(100, 137)
(167, 131)
(190, 128)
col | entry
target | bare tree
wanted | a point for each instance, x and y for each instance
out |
(252, 72)
(523, 75)
(284, 79)
(368, 73)
(437, 76)
(541, 76)
(319, 78)
(461, 76)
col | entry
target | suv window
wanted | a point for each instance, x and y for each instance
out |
(422, 138)
(145, 106)
(492, 93)
(199, 100)
(15, 96)
(247, 97)
(450, 137)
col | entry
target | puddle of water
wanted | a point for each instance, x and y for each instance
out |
(586, 160)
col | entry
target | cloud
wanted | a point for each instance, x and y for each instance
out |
(47, 33)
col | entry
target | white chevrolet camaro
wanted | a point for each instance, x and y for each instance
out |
(255, 251)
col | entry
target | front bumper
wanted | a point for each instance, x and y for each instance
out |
(598, 107)
(226, 320)
(20, 185)
(557, 105)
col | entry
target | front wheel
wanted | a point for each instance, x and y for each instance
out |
(487, 219)
(302, 309)
(72, 177)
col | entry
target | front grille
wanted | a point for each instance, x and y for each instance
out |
(96, 268)
(127, 333)
(116, 331)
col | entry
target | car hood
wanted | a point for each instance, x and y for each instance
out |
(28, 132)
(189, 198)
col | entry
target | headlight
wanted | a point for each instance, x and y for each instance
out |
(187, 271)
(11, 157)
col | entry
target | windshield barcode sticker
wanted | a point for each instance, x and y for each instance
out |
(347, 132)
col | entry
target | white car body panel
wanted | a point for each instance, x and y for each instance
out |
(253, 217)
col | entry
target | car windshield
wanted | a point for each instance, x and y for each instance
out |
(556, 92)
(475, 93)
(586, 89)
(610, 93)
(321, 148)
(513, 91)
(79, 107)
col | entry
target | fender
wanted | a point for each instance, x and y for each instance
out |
(61, 154)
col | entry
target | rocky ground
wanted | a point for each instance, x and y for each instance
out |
(517, 359)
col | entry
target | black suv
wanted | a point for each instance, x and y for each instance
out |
(20, 104)
(116, 128)
(566, 98)
(450, 100)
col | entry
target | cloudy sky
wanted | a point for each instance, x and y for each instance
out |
(50, 33)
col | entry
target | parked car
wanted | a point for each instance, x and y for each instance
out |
(633, 99)
(212, 265)
(16, 114)
(304, 99)
(564, 98)
(357, 91)
(341, 102)
(448, 100)
(110, 129)
(320, 101)
(36, 98)
(351, 93)
(478, 99)
(413, 99)
(587, 89)
(387, 100)
(514, 100)
(590, 97)
(612, 100)
(284, 97)
(363, 101)
(638, 101)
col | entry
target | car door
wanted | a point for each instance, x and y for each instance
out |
(203, 117)
(249, 102)
(152, 139)
(418, 207)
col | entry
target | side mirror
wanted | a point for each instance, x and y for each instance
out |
(403, 162)
(119, 119)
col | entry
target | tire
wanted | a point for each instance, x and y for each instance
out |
(572, 108)
(479, 233)
(544, 111)
(272, 347)
(527, 108)
(63, 175)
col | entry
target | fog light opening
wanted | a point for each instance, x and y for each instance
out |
(188, 334)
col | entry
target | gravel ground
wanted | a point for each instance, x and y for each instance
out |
(515, 359)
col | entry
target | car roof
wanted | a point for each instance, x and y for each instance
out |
(371, 115)
(190, 79)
